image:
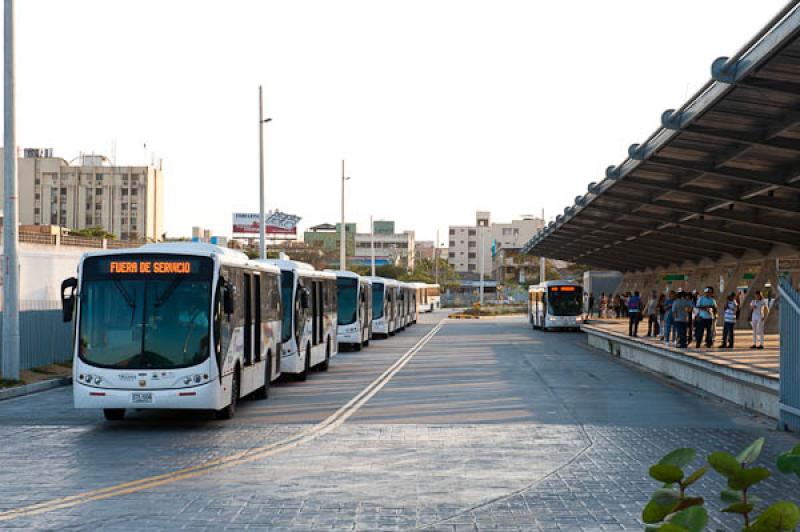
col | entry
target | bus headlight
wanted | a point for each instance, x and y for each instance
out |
(197, 378)
(88, 379)
(98, 380)
(187, 380)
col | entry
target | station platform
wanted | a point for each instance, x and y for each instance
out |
(744, 376)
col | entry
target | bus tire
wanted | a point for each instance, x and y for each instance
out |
(303, 375)
(325, 364)
(358, 346)
(114, 414)
(263, 392)
(229, 411)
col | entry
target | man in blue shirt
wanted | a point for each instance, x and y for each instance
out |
(706, 310)
(634, 314)
(681, 310)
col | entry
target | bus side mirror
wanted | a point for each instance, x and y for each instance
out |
(227, 299)
(68, 287)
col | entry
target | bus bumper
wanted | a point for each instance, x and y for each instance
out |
(202, 397)
(380, 326)
(349, 334)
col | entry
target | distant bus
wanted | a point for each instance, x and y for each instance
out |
(555, 305)
(384, 306)
(407, 305)
(428, 297)
(175, 326)
(354, 309)
(309, 319)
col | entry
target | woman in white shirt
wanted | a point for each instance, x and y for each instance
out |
(758, 315)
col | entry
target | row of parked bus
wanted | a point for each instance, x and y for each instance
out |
(196, 326)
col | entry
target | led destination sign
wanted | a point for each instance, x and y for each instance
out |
(150, 266)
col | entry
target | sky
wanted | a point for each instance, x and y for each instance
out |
(439, 107)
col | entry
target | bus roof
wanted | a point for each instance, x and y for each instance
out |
(302, 268)
(345, 273)
(547, 284)
(225, 256)
(384, 280)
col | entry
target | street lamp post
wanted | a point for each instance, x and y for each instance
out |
(372, 243)
(262, 240)
(342, 229)
(11, 355)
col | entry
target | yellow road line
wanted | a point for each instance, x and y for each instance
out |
(323, 427)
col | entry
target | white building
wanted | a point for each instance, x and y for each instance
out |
(390, 247)
(469, 244)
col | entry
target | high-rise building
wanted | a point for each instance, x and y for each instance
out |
(126, 201)
(468, 243)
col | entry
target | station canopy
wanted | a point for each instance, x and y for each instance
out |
(720, 177)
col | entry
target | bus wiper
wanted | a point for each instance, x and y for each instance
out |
(168, 291)
(125, 295)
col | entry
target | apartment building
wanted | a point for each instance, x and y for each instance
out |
(390, 247)
(471, 244)
(126, 201)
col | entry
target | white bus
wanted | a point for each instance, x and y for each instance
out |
(407, 296)
(172, 326)
(428, 297)
(555, 305)
(309, 317)
(354, 309)
(384, 306)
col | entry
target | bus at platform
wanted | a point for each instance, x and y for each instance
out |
(384, 306)
(172, 326)
(555, 305)
(354, 309)
(309, 319)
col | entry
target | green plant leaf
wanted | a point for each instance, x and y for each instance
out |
(693, 519)
(731, 496)
(671, 527)
(680, 457)
(654, 512)
(666, 497)
(724, 463)
(739, 508)
(666, 473)
(748, 477)
(750, 455)
(694, 477)
(781, 516)
(789, 463)
(796, 450)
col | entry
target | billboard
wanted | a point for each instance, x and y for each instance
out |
(277, 223)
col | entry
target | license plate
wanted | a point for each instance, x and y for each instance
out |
(142, 397)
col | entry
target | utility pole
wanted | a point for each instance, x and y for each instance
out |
(483, 253)
(372, 243)
(541, 259)
(342, 230)
(11, 353)
(262, 239)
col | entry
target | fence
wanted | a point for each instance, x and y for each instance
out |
(790, 356)
(44, 337)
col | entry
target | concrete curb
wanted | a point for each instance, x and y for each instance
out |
(26, 389)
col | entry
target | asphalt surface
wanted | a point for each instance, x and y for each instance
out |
(488, 425)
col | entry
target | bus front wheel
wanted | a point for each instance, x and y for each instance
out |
(114, 414)
(229, 411)
(303, 375)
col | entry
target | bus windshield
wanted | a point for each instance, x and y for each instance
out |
(377, 301)
(140, 312)
(287, 289)
(565, 300)
(347, 296)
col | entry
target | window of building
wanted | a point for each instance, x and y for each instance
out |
(37, 196)
(125, 193)
(472, 267)
(506, 231)
(98, 177)
(472, 232)
(452, 231)
(134, 192)
(473, 244)
(451, 255)
(471, 255)
(53, 219)
(37, 211)
(98, 191)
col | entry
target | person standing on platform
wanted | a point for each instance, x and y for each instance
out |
(706, 309)
(651, 311)
(758, 315)
(668, 329)
(681, 310)
(591, 305)
(634, 314)
(603, 305)
(730, 314)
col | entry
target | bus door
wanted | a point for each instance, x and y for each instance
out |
(257, 317)
(315, 303)
(320, 317)
(248, 319)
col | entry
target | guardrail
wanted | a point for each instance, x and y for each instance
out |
(29, 237)
(789, 404)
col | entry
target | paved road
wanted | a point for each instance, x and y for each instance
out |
(489, 425)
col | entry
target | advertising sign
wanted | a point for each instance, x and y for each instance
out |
(277, 223)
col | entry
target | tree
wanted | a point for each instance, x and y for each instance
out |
(94, 232)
